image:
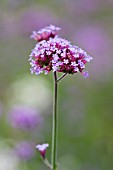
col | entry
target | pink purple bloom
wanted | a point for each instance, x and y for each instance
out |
(24, 150)
(45, 33)
(42, 149)
(57, 54)
(24, 117)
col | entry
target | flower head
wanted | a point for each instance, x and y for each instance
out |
(42, 149)
(45, 33)
(53, 53)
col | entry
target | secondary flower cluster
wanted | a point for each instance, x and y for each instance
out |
(45, 33)
(53, 53)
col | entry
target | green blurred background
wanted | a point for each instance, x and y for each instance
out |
(85, 105)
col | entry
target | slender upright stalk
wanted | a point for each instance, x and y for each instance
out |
(54, 126)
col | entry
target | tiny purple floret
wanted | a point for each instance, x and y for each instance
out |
(86, 74)
(42, 149)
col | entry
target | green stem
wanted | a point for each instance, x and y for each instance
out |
(60, 78)
(54, 126)
(46, 162)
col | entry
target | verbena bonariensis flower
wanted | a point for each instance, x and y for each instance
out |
(42, 149)
(24, 150)
(57, 54)
(24, 117)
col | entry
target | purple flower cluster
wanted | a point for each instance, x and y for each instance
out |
(45, 33)
(57, 54)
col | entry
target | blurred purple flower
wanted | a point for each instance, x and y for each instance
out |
(8, 27)
(93, 38)
(35, 18)
(25, 21)
(83, 6)
(24, 150)
(24, 117)
(96, 41)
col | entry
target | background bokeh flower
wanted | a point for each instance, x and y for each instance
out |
(24, 150)
(24, 117)
(95, 40)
